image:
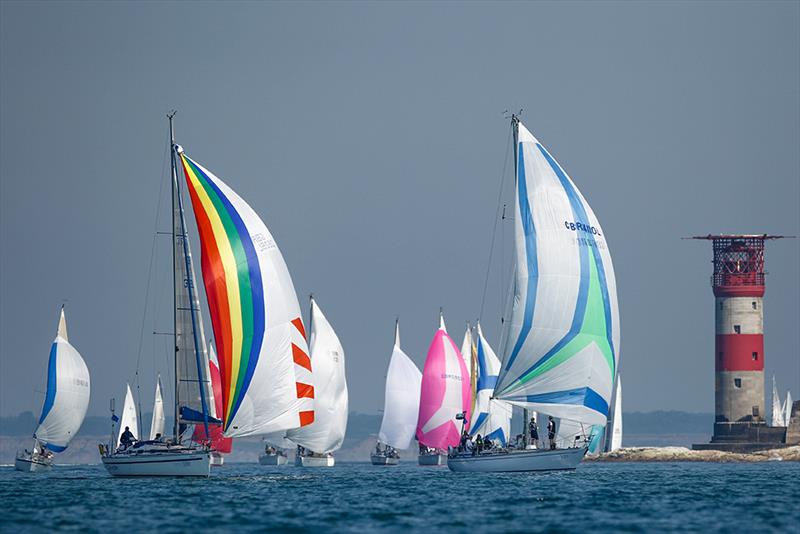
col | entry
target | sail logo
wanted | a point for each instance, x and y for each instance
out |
(445, 376)
(582, 227)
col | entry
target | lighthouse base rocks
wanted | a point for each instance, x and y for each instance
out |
(749, 436)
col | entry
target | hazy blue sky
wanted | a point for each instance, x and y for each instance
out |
(371, 139)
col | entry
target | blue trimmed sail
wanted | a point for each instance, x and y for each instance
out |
(491, 417)
(67, 396)
(561, 342)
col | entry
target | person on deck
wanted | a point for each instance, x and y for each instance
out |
(551, 432)
(127, 438)
(534, 433)
(378, 448)
(462, 446)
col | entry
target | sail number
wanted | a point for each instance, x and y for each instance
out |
(582, 227)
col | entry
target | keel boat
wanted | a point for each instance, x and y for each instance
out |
(65, 404)
(560, 341)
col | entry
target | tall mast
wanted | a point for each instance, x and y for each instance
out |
(515, 129)
(202, 369)
(174, 172)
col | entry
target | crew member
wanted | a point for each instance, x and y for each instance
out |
(551, 431)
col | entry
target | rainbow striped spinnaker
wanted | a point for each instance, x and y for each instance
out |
(259, 334)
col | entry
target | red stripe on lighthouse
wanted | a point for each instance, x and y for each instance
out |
(735, 352)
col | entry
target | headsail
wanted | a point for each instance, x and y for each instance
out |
(157, 423)
(259, 335)
(466, 353)
(129, 418)
(614, 440)
(401, 403)
(445, 393)
(326, 433)
(787, 409)
(67, 396)
(491, 417)
(561, 342)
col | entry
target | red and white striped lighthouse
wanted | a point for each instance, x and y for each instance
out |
(738, 284)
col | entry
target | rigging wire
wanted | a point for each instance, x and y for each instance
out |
(496, 219)
(147, 287)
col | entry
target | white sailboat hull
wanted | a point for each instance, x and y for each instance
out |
(217, 460)
(153, 464)
(272, 459)
(28, 464)
(314, 461)
(432, 459)
(516, 461)
(382, 459)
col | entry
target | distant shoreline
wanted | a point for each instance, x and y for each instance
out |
(682, 454)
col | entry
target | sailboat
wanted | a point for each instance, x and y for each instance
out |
(275, 448)
(560, 343)
(492, 417)
(219, 443)
(318, 441)
(65, 404)
(445, 399)
(264, 365)
(400, 406)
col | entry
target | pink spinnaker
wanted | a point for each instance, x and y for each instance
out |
(445, 393)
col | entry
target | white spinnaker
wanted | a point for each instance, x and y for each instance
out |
(401, 403)
(787, 410)
(271, 403)
(616, 427)
(190, 341)
(777, 409)
(128, 418)
(158, 421)
(67, 397)
(557, 358)
(326, 433)
(491, 417)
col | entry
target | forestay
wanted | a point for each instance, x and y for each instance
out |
(67, 396)
(326, 433)
(561, 341)
(401, 402)
(491, 417)
(445, 393)
(258, 332)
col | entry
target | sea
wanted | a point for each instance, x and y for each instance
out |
(359, 497)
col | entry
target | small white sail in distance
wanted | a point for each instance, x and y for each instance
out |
(616, 428)
(68, 390)
(787, 409)
(128, 418)
(157, 423)
(326, 433)
(401, 401)
(777, 409)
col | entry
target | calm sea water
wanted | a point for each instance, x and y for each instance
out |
(362, 498)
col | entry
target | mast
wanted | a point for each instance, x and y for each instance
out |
(174, 173)
(189, 283)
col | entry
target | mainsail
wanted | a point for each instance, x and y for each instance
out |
(258, 331)
(471, 363)
(157, 423)
(614, 438)
(129, 419)
(326, 433)
(561, 342)
(787, 409)
(67, 396)
(192, 382)
(491, 417)
(401, 403)
(445, 393)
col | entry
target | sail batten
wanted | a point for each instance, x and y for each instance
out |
(561, 341)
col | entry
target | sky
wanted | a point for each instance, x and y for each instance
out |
(372, 138)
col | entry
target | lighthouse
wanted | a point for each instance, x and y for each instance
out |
(738, 284)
